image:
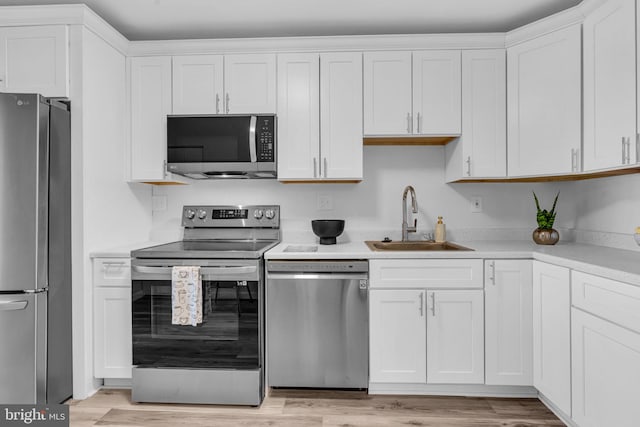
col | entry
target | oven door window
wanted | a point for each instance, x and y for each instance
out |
(208, 139)
(226, 338)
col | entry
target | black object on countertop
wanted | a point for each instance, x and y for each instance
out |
(327, 230)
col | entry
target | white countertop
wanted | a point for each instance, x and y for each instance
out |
(612, 263)
(616, 264)
(123, 251)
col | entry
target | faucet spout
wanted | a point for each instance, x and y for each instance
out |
(406, 229)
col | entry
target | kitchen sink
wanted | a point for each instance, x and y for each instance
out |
(414, 245)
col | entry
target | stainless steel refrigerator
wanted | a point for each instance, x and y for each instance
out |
(35, 250)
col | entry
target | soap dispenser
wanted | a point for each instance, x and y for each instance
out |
(441, 231)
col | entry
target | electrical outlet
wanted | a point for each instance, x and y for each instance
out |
(476, 204)
(325, 202)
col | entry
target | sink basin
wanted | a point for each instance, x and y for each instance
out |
(414, 245)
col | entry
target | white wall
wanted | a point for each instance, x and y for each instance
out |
(375, 203)
(113, 212)
(609, 210)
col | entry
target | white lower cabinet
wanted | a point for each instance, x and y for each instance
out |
(605, 351)
(421, 334)
(112, 350)
(606, 373)
(508, 322)
(455, 337)
(551, 334)
(397, 336)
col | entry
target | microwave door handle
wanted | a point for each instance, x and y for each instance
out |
(252, 139)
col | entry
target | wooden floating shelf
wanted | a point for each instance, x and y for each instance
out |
(326, 181)
(408, 140)
(164, 182)
(559, 178)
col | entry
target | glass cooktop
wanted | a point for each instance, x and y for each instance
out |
(207, 249)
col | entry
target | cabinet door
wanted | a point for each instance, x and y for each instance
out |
(397, 336)
(606, 373)
(150, 104)
(436, 92)
(35, 59)
(341, 115)
(112, 333)
(455, 337)
(387, 93)
(508, 322)
(551, 334)
(198, 84)
(610, 85)
(544, 104)
(481, 150)
(298, 116)
(250, 83)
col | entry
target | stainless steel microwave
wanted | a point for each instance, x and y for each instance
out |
(222, 146)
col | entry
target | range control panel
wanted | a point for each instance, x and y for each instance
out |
(234, 216)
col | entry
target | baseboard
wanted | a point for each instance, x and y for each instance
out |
(117, 383)
(558, 412)
(479, 390)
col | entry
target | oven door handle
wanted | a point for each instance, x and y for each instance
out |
(204, 271)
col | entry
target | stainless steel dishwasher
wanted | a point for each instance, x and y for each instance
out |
(317, 323)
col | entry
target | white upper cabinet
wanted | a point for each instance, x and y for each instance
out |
(341, 115)
(481, 150)
(298, 116)
(231, 84)
(508, 322)
(552, 333)
(320, 116)
(436, 92)
(610, 85)
(412, 94)
(544, 106)
(198, 85)
(387, 93)
(250, 83)
(35, 59)
(150, 102)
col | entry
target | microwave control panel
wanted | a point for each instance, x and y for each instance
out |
(265, 138)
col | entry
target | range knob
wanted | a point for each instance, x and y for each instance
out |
(269, 213)
(190, 214)
(258, 214)
(202, 214)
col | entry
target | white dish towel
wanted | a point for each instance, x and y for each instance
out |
(186, 295)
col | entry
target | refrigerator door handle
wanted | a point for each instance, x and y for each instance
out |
(13, 305)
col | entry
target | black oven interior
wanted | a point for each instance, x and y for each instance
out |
(228, 337)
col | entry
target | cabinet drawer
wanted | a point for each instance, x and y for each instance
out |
(426, 273)
(112, 272)
(615, 301)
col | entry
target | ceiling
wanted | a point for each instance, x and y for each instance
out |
(187, 19)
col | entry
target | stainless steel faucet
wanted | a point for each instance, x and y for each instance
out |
(414, 205)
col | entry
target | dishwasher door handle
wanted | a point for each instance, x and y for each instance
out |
(317, 276)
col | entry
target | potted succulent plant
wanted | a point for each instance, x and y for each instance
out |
(545, 234)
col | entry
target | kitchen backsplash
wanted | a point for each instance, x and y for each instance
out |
(375, 204)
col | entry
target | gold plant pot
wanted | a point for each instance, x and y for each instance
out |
(545, 236)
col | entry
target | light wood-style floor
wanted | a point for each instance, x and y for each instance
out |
(302, 408)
